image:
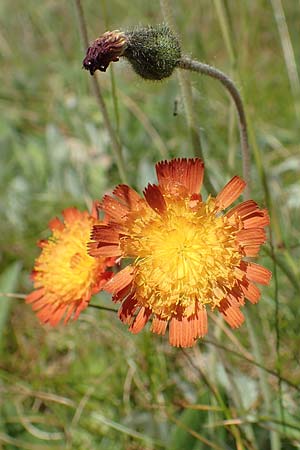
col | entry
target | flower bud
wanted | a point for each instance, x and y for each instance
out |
(153, 52)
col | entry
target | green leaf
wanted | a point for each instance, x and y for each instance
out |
(8, 282)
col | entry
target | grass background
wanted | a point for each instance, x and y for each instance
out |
(92, 385)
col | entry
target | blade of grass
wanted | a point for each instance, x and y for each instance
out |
(235, 431)
(8, 283)
(116, 146)
(145, 121)
(288, 52)
(97, 417)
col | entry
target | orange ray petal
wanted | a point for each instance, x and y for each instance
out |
(128, 195)
(181, 332)
(235, 298)
(259, 219)
(128, 309)
(56, 224)
(258, 273)
(72, 214)
(122, 294)
(251, 237)
(69, 312)
(104, 233)
(45, 313)
(251, 292)
(114, 209)
(200, 324)
(230, 192)
(188, 172)
(233, 316)
(155, 198)
(140, 321)
(35, 295)
(57, 315)
(105, 276)
(40, 304)
(243, 209)
(251, 250)
(159, 325)
(107, 251)
(119, 281)
(79, 308)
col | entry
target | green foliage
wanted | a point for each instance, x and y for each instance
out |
(92, 385)
(8, 283)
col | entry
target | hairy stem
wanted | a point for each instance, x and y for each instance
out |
(204, 69)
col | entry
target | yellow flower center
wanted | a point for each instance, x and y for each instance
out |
(185, 255)
(64, 268)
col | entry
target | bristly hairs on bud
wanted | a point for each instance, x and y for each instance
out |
(153, 51)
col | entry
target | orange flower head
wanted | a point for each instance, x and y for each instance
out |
(188, 255)
(65, 276)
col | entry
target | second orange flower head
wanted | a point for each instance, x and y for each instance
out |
(188, 255)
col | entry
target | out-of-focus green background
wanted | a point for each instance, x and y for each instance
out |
(92, 385)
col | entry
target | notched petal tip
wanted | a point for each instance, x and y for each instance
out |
(251, 292)
(115, 210)
(128, 195)
(184, 331)
(72, 214)
(140, 321)
(187, 172)
(159, 325)
(119, 281)
(233, 316)
(251, 237)
(181, 333)
(258, 274)
(230, 192)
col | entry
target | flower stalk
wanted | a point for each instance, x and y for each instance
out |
(205, 69)
(154, 53)
(115, 143)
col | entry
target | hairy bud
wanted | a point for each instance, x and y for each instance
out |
(153, 52)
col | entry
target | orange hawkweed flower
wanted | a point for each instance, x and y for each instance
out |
(188, 255)
(65, 276)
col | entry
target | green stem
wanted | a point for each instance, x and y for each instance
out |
(204, 69)
(186, 92)
(272, 372)
(12, 295)
(116, 147)
(103, 308)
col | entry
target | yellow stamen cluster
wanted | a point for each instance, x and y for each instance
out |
(64, 268)
(186, 254)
